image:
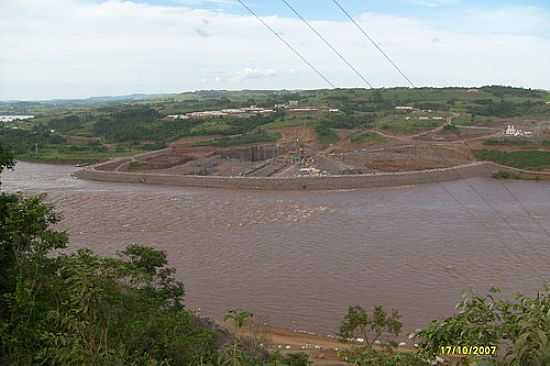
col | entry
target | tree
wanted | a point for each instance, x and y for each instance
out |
(238, 317)
(6, 159)
(358, 323)
(520, 327)
(83, 309)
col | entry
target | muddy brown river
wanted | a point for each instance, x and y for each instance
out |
(298, 259)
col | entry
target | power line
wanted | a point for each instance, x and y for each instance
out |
(487, 203)
(327, 43)
(374, 43)
(287, 44)
(529, 215)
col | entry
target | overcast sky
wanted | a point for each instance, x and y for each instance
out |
(81, 48)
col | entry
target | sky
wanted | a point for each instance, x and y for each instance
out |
(52, 49)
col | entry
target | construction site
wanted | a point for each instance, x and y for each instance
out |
(299, 153)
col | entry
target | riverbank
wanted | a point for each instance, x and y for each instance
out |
(322, 350)
(298, 259)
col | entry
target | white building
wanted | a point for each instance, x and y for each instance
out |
(178, 116)
(304, 110)
(404, 108)
(511, 130)
(12, 118)
(206, 114)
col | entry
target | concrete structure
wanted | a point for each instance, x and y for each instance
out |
(476, 169)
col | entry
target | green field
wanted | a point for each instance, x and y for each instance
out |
(398, 124)
(535, 160)
(367, 138)
(73, 154)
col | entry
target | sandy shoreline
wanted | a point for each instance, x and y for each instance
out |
(321, 349)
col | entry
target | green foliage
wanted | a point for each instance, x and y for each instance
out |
(22, 141)
(83, 309)
(326, 135)
(520, 328)
(292, 359)
(349, 121)
(238, 317)
(501, 174)
(506, 108)
(358, 323)
(6, 159)
(65, 124)
(451, 128)
(367, 137)
(370, 357)
(398, 124)
(517, 159)
(513, 141)
(261, 136)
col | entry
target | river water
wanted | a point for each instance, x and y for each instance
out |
(299, 259)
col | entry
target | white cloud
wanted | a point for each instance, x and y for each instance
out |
(434, 3)
(253, 73)
(79, 48)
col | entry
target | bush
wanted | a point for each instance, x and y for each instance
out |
(326, 135)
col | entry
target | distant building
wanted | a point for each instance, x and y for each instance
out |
(404, 108)
(13, 118)
(547, 102)
(178, 116)
(233, 111)
(334, 110)
(292, 103)
(304, 110)
(511, 130)
(206, 114)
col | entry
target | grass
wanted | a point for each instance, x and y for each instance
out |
(507, 175)
(250, 138)
(367, 138)
(508, 141)
(72, 154)
(326, 135)
(399, 125)
(212, 127)
(291, 121)
(451, 128)
(536, 160)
